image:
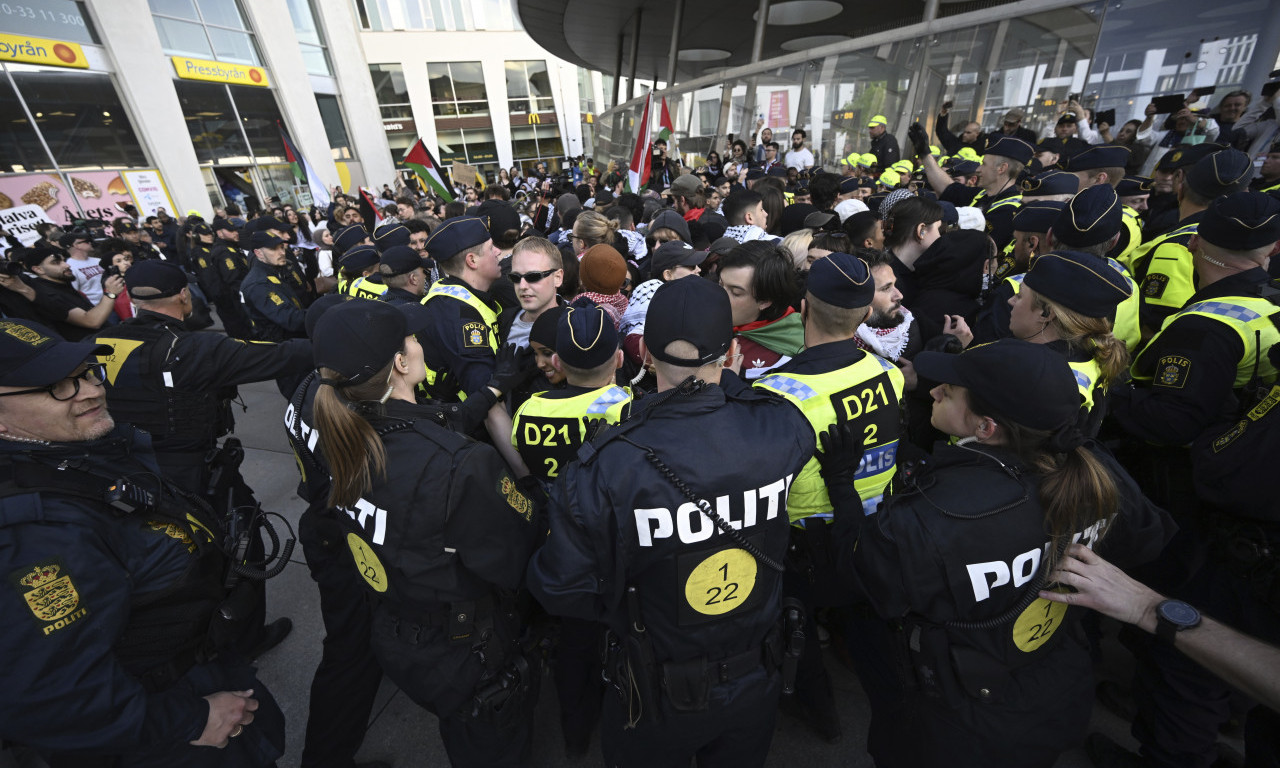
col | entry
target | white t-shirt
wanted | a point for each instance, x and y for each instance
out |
(519, 333)
(88, 278)
(799, 158)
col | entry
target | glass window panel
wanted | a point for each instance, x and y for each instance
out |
(20, 148)
(396, 112)
(314, 59)
(388, 83)
(473, 108)
(234, 47)
(81, 119)
(452, 148)
(180, 38)
(517, 80)
(445, 109)
(539, 80)
(441, 82)
(260, 117)
(223, 13)
(56, 19)
(185, 9)
(210, 121)
(334, 128)
(468, 81)
(304, 22)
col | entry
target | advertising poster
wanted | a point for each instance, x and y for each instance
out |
(148, 191)
(93, 194)
(21, 222)
(779, 111)
(99, 192)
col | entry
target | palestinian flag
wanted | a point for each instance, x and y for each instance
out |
(638, 172)
(303, 172)
(420, 161)
(666, 130)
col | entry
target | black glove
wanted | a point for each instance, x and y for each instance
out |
(919, 139)
(840, 453)
(514, 367)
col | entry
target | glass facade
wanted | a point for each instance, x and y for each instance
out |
(54, 19)
(334, 127)
(529, 87)
(310, 37)
(457, 89)
(208, 29)
(437, 15)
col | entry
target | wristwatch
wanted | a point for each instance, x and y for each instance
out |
(1172, 617)
(112, 296)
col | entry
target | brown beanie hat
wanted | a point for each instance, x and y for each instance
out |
(602, 270)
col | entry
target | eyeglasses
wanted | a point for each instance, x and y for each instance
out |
(66, 389)
(531, 277)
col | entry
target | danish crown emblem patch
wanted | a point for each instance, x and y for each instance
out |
(51, 595)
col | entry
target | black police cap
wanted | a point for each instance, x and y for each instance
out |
(1187, 154)
(359, 338)
(155, 279)
(390, 235)
(546, 327)
(691, 310)
(1100, 156)
(1080, 282)
(456, 235)
(1038, 216)
(359, 259)
(1014, 149)
(264, 239)
(1092, 217)
(220, 224)
(841, 280)
(1132, 186)
(399, 260)
(1242, 221)
(585, 335)
(1051, 182)
(348, 237)
(1220, 173)
(32, 355)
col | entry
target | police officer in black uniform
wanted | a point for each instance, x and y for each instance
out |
(113, 649)
(230, 267)
(954, 559)
(999, 192)
(679, 551)
(438, 531)
(404, 272)
(274, 309)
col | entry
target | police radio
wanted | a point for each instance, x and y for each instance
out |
(127, 498)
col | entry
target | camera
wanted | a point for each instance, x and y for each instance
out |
(11, 268)
(111, 271)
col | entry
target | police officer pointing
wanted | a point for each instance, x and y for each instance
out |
(678, 551)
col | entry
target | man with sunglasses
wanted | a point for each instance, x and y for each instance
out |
(60, 305)
(537, 271)
(116, 580)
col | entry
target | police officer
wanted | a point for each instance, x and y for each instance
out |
(231, 266)
(1133, 192)
(404, 275)
(679, 551)
(438, 531)
(1031, 227)
(357, 264)
(274, 309)
(1164, 267)
(111, 633)
(1210, 364)
(998, 194)
(990, 674)
(884, 145)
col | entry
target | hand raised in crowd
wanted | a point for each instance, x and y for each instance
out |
(514, 367)
(229, 713)
(113, 284)
(919, 139)
(910, 379)
(1104, 588)
(1150, 110)
(956, 326)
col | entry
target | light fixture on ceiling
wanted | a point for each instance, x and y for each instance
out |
(793, 12)
(813, 41)
(703, 54)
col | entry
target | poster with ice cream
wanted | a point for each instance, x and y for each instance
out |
(90, 195)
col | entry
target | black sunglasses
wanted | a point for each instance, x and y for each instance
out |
(65, 389)
(532, 277)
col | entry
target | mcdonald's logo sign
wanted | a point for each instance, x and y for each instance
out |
(590, 118)
(534, 119)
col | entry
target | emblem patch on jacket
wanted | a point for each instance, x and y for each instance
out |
(516, 499)
(1153, 286)
(1172, 372)
(475, 334)
(51, 595)
(172, 531)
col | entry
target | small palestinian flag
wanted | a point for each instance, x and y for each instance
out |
(666, 129)
(420, 161)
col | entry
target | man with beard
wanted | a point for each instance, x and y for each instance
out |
(890, 330)
(59, 304)
(799, 156)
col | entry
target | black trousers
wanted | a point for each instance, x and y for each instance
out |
(346, 681)
(579, 685)
(734, 732)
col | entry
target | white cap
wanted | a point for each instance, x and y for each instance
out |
(971, 218)
(846, 208)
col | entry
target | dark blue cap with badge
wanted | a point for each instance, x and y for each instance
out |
(1186, 154)
(347, 238)
(263, 239)
(1038, 216)
(399, 260)
(1221, 173)
(390, 235)
(1080, 282)
(963, 168)
(1051, 144)
(456, 235)
(693, 310)
(1094, 216)
(358, 338)
(1051, 183)
(841, 280)
(755, 173)
(1132, 186)
(154, 279)
(227, 224)
(586, 336)
(848, 185)
(1242, 221)
(358, 259)
(31, 355)
(1014, 149)
(1100, 156)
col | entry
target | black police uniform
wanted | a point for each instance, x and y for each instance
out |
(885, 148)
(991, 674)
(400, 296)
(230, 267)
(686, 604)
(273, 307)
(999, 209)
(459, 345)
(441, 544)
(109, 614)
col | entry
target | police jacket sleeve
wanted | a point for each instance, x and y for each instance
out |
(887, 565)
(232, 361)
(1192, 368)
(64, 688)
(491, 522)
(1140, 530)
(572, 574)
(950, 141)
(276, 307)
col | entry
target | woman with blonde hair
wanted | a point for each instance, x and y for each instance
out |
(591, 228)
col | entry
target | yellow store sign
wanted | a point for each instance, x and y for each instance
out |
(219, 72)
(37, 50)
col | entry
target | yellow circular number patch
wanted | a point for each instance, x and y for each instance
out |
(721, 583)
(1037, 624)
(367, 563)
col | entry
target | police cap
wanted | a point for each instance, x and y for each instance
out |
(755, 173)
(694, 311)
(866, 160)
(1014, 149)
(1038, 216)
(1094, 216)
(1220, 173)
(866, 182)
(1081, 282)
(841, 280)
(1051, 183)
(358, 338)
(31, 355)
(1051, 144)
(390, 235)
(358, 259)
(777, 169)
(950, 215)
(585, 335)
(155, 279)
(221, 224)
(1185, 155)
(793, 217)
(348, 237)
(319, 307)
(1132, 186)
(501, 218)
(1030, 384)
(271, 222)
(264, 239)
(877, 120)
(201, 229)
(962, 168)
(125, 225)
(890, 178)
(1100, 156)
(848, 185)
(545, 328)
(456, 235)
(399, 260)
(969, 153)
(1242, 221)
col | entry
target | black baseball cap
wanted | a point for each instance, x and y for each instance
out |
(31, 355)
(675, 253)
(696, 311)
(263, 239)
(220, 224)
(399, 260)
(358, 338)
(1030, 384)
(71, 238)
(155, 279)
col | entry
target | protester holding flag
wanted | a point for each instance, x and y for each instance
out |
(421, 162)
